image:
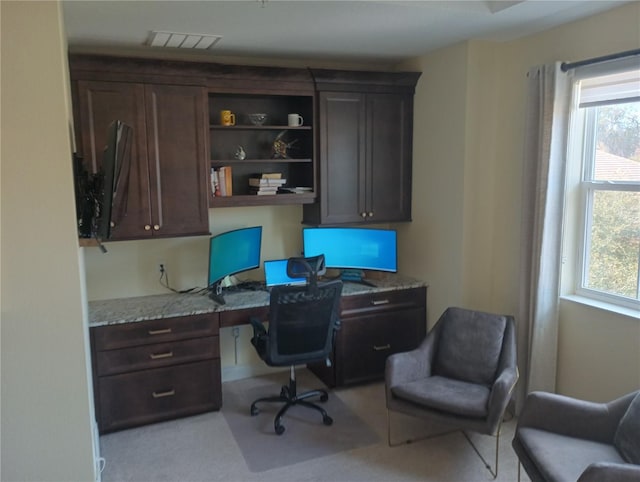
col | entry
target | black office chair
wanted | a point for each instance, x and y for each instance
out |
(302, 322)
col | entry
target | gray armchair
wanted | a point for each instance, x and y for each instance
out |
(461, 375)
(560, 438)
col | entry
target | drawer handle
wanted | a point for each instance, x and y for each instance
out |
(162, 331)
(157, 356)
(383, 347)
(379, 302)
(168, 393)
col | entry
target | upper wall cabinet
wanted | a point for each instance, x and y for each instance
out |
(365, 124)
(168, 183)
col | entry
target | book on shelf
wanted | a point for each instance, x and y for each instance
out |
(215, 183)
(225, 181)
(261, 191)
(259, 182)
(267, 175)
(296, 190)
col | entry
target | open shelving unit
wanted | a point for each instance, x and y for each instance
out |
(257, 142)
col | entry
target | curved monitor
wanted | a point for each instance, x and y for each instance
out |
(353, 248)
(233, 252)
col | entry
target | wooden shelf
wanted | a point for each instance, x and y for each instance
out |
(88, 242)
(264, 127)
(257, 161)
(255, 200)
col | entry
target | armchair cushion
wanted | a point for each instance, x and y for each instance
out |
(446, 394)
(470, 346)
(627, 436)
(561, 457)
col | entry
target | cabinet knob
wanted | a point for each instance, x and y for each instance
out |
(156, 227)
(112, 224)
(370, 214)
(147, 227)
(363, 214)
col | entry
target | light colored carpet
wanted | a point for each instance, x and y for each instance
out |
(203, 448)
(305, 436)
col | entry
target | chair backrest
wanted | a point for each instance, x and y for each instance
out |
(470, 345)
(302, 321)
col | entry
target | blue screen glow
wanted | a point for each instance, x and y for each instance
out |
(356, 248)
(233, 252)
(275, 273)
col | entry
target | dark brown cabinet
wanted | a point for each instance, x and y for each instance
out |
(374, 326)
(168, 185)
(155, 370)
(365, 147)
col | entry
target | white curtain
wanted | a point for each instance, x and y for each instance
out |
(545, 147)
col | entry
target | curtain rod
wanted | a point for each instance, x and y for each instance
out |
(568, 66)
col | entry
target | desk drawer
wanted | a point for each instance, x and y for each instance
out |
(154, 331)
(363, 344)
(157, 355)
(159, 394)
(362, 305)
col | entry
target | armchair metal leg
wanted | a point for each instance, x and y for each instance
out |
(486, 464)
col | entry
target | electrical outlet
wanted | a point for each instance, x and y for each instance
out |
(235, 331)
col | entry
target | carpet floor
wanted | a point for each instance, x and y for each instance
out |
(206, 447)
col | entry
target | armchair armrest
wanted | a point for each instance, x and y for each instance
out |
(500, 395)
(569, 416)
(610, 472)
(410, 365)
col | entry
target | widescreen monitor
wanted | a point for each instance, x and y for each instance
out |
(353, 248)
(233, 252)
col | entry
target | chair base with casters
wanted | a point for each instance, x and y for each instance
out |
(289, 396)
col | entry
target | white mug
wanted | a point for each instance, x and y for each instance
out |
(295, 120)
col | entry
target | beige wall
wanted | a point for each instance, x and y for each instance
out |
(47, 405)
(468, 149)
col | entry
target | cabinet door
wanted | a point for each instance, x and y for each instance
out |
(177, 142)
(389, 141)
(342, 157)
(100, 103)
(364, 343)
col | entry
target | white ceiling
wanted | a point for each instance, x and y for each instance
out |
(362, 31)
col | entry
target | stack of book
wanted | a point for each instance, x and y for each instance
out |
(266, 183)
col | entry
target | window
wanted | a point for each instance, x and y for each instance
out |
(606, 139)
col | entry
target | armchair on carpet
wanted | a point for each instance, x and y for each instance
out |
(302, 321)
(559, 438)
(462, 374)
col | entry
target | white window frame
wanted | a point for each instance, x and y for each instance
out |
(581, 188)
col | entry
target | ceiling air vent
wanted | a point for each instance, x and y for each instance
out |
(183, 40)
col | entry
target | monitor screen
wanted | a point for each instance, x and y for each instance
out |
(275, 274)
(353, 248)
(234, 251)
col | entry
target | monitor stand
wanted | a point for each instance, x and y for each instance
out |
(215, 293)
(355, 276)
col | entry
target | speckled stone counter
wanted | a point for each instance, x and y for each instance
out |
(129, 310)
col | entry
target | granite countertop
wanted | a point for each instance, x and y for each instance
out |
(141, 308)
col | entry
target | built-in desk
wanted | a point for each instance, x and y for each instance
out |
(158, 357)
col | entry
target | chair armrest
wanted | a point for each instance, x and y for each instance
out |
(500, 396)
(610, 472)
(258, 327)
(569, 416)
(410, 365)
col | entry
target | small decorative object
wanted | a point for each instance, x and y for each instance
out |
(257, 119)
(280, 146)
(240, 154)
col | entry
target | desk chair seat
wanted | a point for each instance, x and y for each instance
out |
(302, 321)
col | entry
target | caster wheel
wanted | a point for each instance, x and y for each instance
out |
(254, 411)
(327, 420)
(324, 397)
(279, 429)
